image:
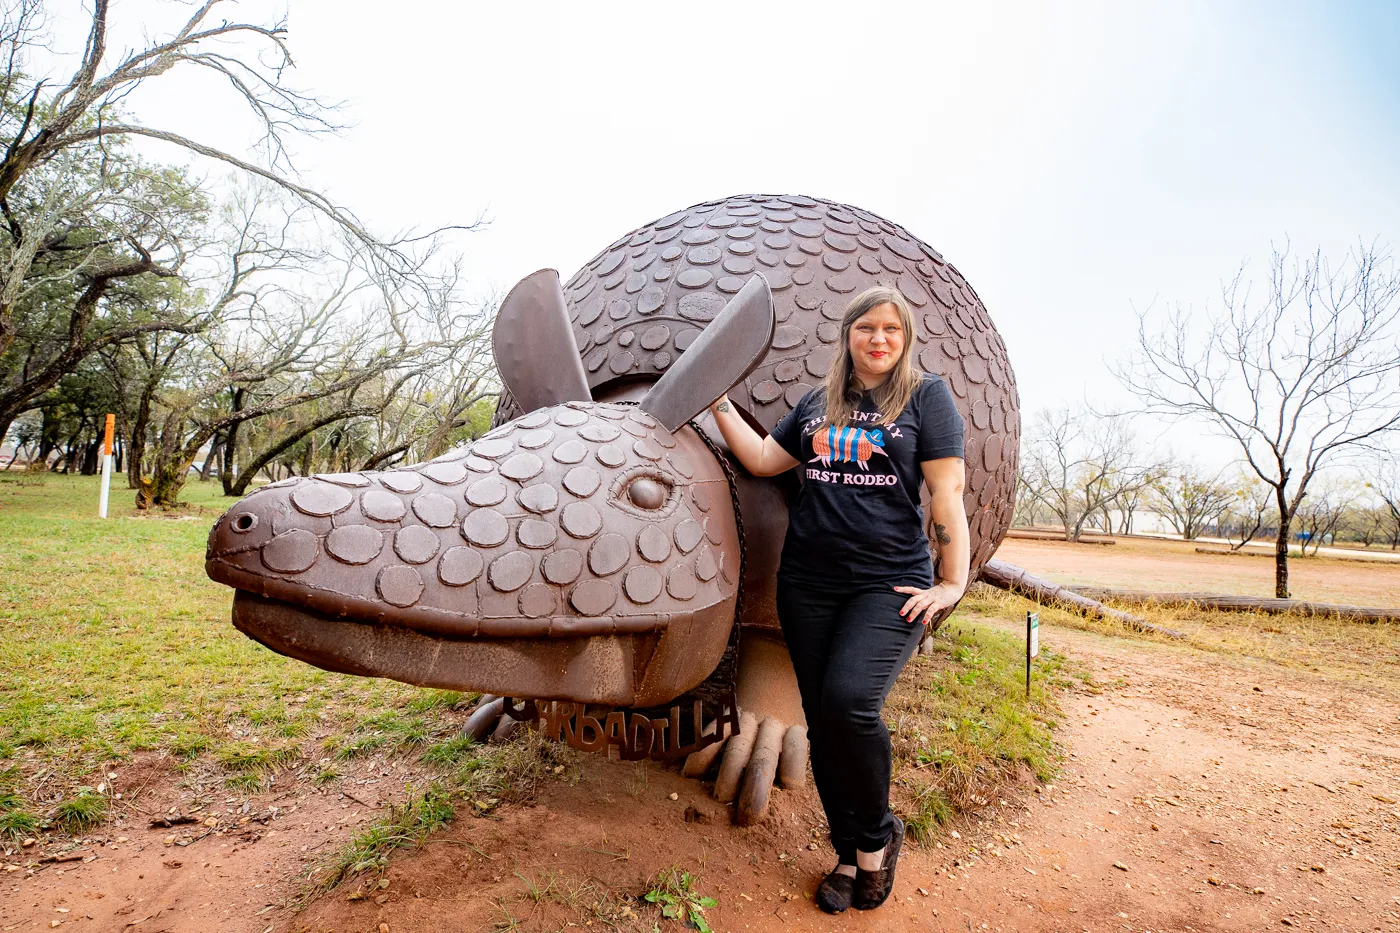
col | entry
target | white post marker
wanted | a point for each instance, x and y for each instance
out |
(1032, 645)
(106, 466)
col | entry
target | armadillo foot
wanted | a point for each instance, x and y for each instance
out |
(485, 718)
(771, 746)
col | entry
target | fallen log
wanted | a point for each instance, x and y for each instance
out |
(1240, 603)
(1028, 534)
(1294, 555)
(1013, 579)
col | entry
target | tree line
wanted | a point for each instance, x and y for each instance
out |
(1297, 380)
(247, 329)
(1070, 480)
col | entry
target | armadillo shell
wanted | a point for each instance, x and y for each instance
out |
(637, 305)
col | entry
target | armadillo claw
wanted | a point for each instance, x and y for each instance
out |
(762, 769)
(792, 767)
(698, 764)
(736, 758)
(505, 729)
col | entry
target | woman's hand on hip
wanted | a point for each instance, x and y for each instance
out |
(929, 602)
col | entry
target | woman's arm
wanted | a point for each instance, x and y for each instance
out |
(945, 478)
(761, 456)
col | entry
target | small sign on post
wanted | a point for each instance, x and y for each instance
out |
(106, 466)
(1032, 645)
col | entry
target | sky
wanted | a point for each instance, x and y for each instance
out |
(1079, 162)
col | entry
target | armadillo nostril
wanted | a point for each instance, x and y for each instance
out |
(245, 522)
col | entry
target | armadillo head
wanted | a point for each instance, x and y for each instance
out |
(586, 551)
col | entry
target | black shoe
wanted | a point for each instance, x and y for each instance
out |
(834, 893)
(873, 887)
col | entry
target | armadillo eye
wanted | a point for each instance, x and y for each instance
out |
(647, 493)
(245, 522)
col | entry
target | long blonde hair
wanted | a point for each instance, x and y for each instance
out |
(843, 389)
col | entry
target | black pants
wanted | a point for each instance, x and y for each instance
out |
(847, 649)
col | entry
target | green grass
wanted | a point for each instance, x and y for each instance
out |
(673, 892)
(83, 810)
(962, 725)
(450, 752)
(405, 826)
(126, 646)
(17, 824)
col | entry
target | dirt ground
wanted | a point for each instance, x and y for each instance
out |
(1155, 564)
(1197, 794)
(1199, 791)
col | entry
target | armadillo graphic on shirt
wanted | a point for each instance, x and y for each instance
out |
(847, 445)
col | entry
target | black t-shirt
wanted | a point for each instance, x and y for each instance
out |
(857, 519)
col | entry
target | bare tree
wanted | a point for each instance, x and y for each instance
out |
(443, 406)
(1297, 377)
(1321, 513)
(1128, 503)
(59, 134)
(1029, 510)
(1384, 481)
(1078, 464)
(1190, 498)
(307, 338)
(1247, 512)
(1366, 521)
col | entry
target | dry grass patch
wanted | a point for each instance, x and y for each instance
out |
(1335, 648)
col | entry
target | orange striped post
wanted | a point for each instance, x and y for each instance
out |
(106, 466)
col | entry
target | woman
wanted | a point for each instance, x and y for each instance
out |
(855, 582)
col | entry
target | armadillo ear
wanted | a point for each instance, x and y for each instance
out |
(726, 351)
(533, 343)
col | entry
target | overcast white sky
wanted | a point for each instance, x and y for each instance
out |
(1074, 160)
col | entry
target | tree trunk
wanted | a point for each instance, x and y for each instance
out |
(208, 467)
(91, 461)
(1281, 554)
(137, 441)
(256, 461)
(226, 476)
(162, 488)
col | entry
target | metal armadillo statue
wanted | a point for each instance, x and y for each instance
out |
(598, 551)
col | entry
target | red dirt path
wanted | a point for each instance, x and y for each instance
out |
(1235, 798)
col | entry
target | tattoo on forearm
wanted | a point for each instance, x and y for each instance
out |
(941, 532)
(722, 406)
